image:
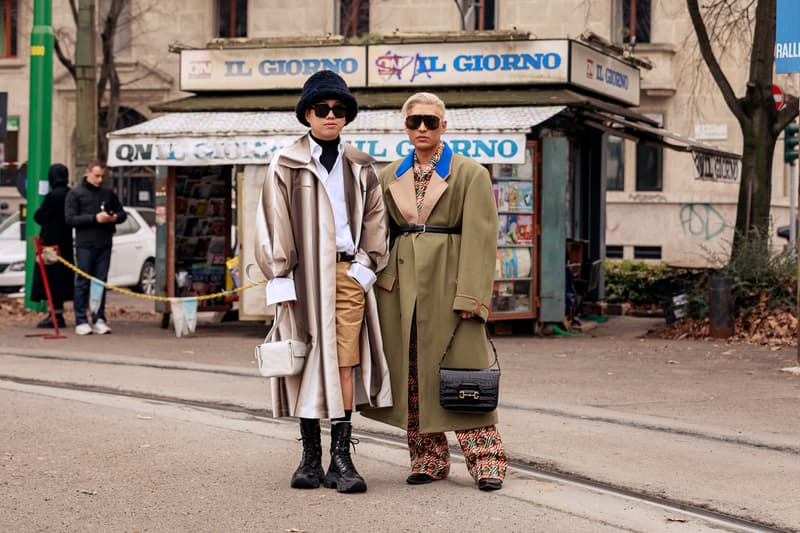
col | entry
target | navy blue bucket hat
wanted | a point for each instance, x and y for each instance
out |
(325, 85)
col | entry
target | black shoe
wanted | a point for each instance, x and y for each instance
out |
(47, 322)
(309, 474)
(489, 484)
(420, 479)
(342, 475)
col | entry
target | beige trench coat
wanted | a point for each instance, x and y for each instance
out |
(438, 275)
(296, 239)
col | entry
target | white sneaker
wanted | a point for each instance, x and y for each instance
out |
(83, 329)
(100, 327)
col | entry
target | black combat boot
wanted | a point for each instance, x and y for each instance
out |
(309, 474)
(342, 475)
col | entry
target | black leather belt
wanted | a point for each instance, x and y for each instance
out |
(343, 256)
(425, 228)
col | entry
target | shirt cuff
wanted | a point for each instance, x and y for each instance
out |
(280, 290)
(363, 275)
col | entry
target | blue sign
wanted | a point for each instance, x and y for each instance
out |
(787, 37)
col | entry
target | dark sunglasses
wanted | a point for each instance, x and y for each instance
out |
(322, 110)
(413, 122)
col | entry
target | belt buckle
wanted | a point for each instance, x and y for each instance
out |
(424, 228)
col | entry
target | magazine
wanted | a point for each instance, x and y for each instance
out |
(515, 229)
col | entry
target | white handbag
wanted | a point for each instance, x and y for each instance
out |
(277, 359)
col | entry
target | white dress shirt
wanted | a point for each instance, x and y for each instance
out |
(282, 289)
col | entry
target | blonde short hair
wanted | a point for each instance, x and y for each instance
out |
(422, 98)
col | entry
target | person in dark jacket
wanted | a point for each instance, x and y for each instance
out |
(55, 232)
(94, 211)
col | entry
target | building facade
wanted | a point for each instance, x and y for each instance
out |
(656, 209)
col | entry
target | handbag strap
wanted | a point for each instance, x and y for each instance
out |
(488, 337)
(280, 312)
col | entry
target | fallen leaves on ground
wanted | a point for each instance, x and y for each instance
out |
(14, 313)
(763, 326)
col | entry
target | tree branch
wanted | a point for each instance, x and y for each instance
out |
(63, 59)
(73, 7)
(711, 61)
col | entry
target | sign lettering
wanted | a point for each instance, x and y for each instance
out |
(485, 148)
(715, 167)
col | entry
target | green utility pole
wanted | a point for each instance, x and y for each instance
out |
(40, 120)
(85, 88)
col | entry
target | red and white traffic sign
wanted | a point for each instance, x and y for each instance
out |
(779, 97)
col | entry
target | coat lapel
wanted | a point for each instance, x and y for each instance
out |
(402, 190)
(352, 197)
(437, 185)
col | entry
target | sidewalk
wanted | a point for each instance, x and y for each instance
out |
(700, 421)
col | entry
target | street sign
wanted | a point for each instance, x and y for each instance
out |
(779, 97)
(787, 37)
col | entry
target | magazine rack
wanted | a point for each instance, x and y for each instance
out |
(516, 268)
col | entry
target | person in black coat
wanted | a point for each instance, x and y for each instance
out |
(55, 231)
(94, 211)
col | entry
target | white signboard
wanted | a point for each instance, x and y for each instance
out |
(487, 148)
(603, 74)
(195, 151)
(716, 167)
(482, 147)
(268, 68)
(475, 63)
(711, 132)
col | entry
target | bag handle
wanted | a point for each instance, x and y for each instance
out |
(488, 338)
(280, 312)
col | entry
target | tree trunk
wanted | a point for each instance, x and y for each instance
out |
(755, 191)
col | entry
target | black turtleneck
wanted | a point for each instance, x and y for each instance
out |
(330, 151)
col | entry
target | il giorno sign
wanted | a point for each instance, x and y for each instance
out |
(254, 150)
(556, 61)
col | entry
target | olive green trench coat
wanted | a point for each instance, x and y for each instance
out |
(436, 276)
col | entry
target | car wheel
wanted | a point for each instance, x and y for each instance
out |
(147, 279)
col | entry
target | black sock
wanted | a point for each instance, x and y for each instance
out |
(345, 418)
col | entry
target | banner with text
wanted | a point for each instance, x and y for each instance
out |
(546, 61)
(246, 69)
(477, 63)
(506, 148)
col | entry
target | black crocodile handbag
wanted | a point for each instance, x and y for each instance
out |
(469, 390)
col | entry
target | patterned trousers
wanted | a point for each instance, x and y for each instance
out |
(430, 454)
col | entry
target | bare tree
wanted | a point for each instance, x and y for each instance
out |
(761, 123)
(109, 87)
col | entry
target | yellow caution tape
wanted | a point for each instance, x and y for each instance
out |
(160, 298)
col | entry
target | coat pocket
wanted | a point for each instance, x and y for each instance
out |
(386, 281)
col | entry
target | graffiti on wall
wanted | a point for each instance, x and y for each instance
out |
(702, 220)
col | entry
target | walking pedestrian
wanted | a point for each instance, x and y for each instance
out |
(444, 226)
(321, 239)
(94, 211)
(55, 232)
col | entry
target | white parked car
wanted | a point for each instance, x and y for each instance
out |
(132, 256)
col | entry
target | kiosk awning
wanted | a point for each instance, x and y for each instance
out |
(488, 135)
(711, 162)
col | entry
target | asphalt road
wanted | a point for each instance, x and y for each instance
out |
(704, 423)
(78, 461)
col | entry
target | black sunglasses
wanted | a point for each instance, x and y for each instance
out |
(413, 122)
(322, 110)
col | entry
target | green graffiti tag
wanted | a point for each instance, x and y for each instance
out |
(702, 220)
